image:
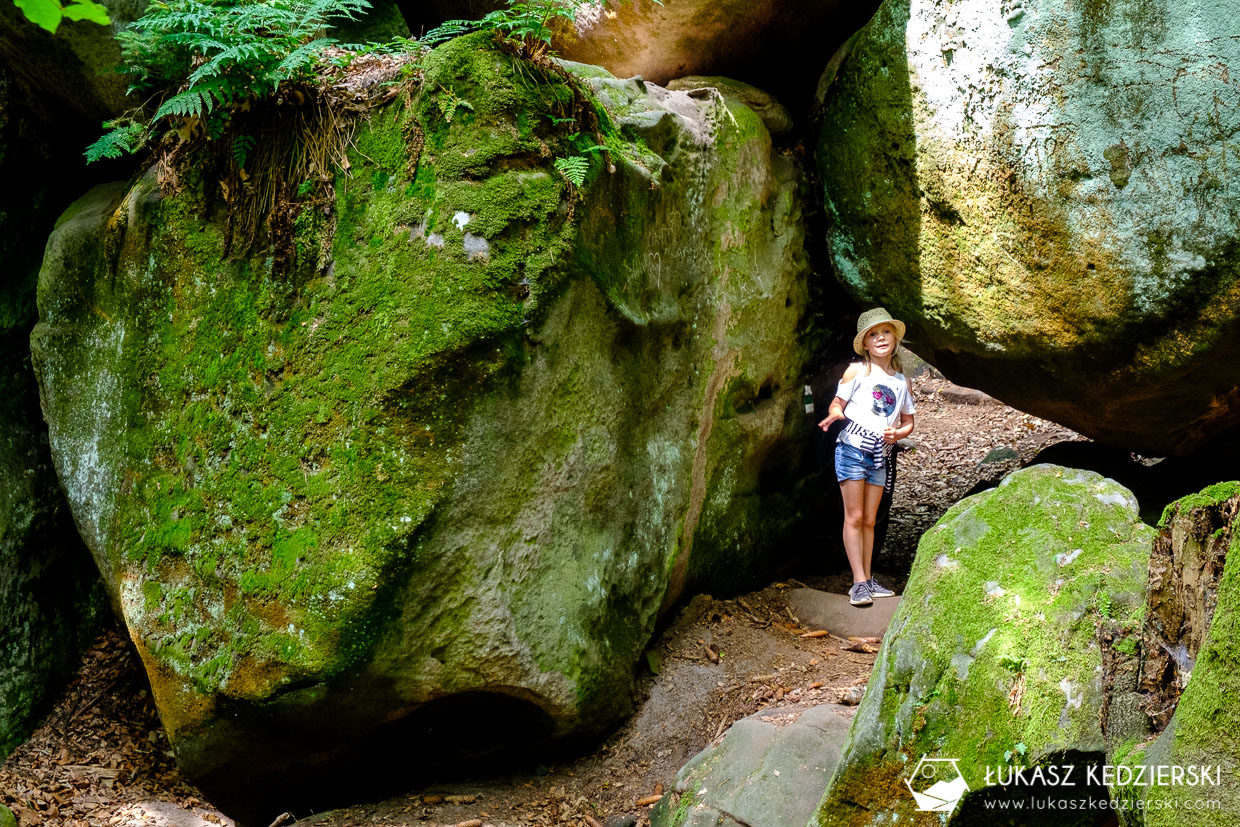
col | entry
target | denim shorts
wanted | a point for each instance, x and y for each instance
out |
(854, 464)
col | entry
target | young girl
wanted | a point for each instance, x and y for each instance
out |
(874, 398)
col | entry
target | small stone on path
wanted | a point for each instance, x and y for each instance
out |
(963, 396)
(824, 610)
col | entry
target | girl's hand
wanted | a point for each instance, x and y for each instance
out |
(834, 416)
(890, 436)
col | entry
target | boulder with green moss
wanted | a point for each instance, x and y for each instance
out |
(421, 478)
(1047, 207)
(992, 658)
(1188, 771)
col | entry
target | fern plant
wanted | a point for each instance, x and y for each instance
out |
(573, 168)
(207, 56)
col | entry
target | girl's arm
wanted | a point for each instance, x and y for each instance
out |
(904, 429)
(834, 413)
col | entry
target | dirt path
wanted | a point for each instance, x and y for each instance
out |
(101, 758)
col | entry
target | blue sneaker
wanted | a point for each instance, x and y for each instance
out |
(859, 594)
(877, 590)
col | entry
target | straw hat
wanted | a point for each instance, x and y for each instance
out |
(869, 319)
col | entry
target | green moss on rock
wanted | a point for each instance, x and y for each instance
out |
(1006, 590)
(470, 442)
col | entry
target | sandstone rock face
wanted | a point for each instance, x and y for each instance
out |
(430, 485)
(994, 644)
(774, 115)
(1047, 206)
(68, 76)
(1190, 662)
(766, 772)
(770, 43)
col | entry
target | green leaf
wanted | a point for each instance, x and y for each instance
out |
(573, 168)
(43, 13)
(88, 10)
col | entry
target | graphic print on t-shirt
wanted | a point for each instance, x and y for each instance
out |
(884, 400)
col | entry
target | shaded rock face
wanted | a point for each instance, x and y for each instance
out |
(50, 596)
(51, 600)
(994, 645)
(68, 75)
(408, 497)
(1185, 567)
(1046, 207)
(1189, 666)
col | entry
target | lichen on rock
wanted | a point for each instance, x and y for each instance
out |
(1046, 206)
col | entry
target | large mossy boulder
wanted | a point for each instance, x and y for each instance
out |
(422, 478)
(992, 658)
(1047, 207)
(1190, 673)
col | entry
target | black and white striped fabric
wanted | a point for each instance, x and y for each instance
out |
(873, 444)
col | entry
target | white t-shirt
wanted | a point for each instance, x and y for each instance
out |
(875, 401)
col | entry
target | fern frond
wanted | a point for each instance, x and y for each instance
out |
(450, 29)
(301, 57)
(253, 56)
(574, 168)
(202, 98)
(122, 140)
(191, 103)
(243, 145)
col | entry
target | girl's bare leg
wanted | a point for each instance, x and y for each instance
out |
(853, 492)
(871, 497)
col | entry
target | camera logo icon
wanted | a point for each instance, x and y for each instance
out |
(937, 785)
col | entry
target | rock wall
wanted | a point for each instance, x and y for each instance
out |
(429, 486)
(1047, 206)
(50, 596)
(778, 46)
(1189, 666)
